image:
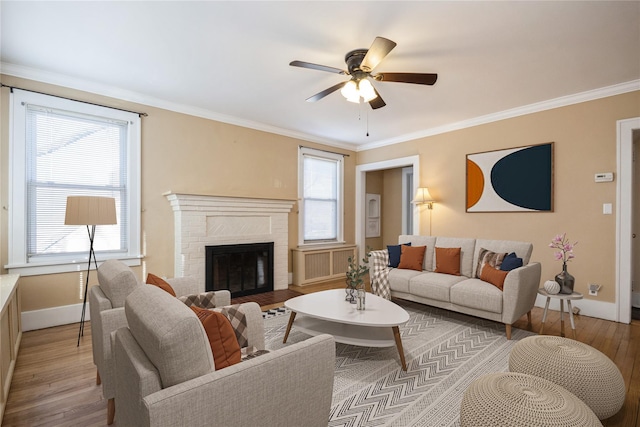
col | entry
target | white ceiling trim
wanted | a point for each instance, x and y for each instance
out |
(130, 96)
(564, 101)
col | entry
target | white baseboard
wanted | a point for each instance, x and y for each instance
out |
(635, 299)
(56, 316)
(588, 307)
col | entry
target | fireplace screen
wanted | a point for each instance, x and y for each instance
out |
(242, 269)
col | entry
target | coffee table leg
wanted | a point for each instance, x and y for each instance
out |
(286, 334)
(396, 335)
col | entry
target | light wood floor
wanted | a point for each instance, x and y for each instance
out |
(54, 381)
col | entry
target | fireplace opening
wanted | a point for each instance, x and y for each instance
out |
(242, 269)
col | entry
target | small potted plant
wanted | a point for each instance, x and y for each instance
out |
(565, 254)
(355, 276)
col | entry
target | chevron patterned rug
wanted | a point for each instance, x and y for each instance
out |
(445, 352)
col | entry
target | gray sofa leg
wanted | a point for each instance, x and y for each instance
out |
(508, 327)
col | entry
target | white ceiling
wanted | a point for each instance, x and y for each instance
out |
(229, 60)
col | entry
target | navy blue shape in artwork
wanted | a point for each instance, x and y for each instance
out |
(523, 177)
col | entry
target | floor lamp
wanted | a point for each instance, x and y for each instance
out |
(89, 211)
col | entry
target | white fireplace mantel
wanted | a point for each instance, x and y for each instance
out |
(201, 220)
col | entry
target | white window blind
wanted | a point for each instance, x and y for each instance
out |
(71, 154)
(321, 196)
(63, 148)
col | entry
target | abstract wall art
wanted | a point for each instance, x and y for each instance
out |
(512, 180)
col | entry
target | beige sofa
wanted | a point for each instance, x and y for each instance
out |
(465, 293)
(165, 374)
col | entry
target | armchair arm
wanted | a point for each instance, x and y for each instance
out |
(520, 291)
(185, 286)
(290, 386)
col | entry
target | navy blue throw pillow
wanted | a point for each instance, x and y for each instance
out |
(511, 262)
(394, 254)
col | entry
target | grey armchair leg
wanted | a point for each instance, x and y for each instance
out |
(111, 411)
(98, 380)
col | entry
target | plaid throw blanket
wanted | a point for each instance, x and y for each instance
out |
(380, 274)
(238, 322)
(202, 300)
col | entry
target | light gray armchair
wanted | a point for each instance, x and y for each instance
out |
(106, 306)
(165, 374)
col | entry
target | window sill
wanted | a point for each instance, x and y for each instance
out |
(36, 269)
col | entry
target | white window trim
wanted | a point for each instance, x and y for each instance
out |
(340, 214)
(17, 230)
(407, 206)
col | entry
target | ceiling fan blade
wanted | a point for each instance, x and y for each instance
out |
(318, 96)
(417, 78)
(377, 102)
(378, 50)
(326, 68)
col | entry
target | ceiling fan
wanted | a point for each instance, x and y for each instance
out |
(360, 64)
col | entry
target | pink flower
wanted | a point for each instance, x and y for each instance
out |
(565, 247)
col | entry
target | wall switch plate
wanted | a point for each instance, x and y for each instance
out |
(607, 208)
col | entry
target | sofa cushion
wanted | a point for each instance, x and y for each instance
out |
(399, 279)
(394, 254)
(511, 262)
(222, 338)
(429, 242)
(412, 257)
(522, 249)
(448, 261)
(467, 248)
(494, 276)
(154, 280)
(117, 281)
(475, 293)
(170, 335)
(435, 286)
(485, 256)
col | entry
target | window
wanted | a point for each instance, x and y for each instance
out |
(407, 197)
(61, 148)
(320, 193)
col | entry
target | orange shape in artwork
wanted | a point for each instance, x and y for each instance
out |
(475, 183)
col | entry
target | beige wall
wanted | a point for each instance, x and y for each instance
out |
(392, 207)
(585, 143)
(375, 181)
(180, 153)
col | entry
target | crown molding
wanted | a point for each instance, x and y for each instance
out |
(563, 101)
(138, 98)
(135, 97)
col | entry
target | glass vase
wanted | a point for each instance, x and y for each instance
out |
(565, 280)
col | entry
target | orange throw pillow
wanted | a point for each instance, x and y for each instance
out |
(222, 338)
(494, 276)
(412, 257)
(448, 261)
(152, 279)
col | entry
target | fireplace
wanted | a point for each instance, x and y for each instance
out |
(242, 269)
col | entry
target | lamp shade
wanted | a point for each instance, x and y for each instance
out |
(422, 196)
(90, 210)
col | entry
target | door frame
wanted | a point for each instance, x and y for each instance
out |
(624, 201)
(361, 190)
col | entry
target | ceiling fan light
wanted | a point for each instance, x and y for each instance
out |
(366, 90)
(350, 91)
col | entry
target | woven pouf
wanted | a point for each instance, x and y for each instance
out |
(514, 399)
(579, 368)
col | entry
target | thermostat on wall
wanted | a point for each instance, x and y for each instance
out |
(604, 177)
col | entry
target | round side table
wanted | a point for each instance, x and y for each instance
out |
(562, 297)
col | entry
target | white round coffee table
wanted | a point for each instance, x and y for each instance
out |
(327, 312)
